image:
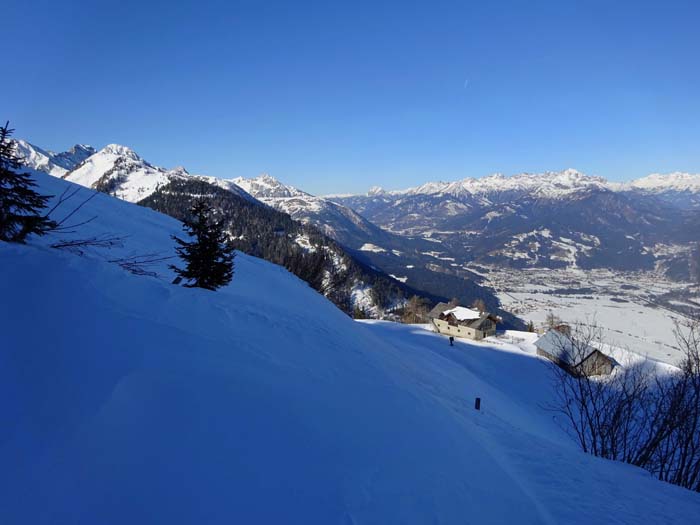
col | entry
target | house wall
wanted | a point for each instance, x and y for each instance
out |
(555, 360)
(446, 328)
(491, 331)
(596, 364)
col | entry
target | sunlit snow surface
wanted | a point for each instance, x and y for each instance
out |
(126, 399)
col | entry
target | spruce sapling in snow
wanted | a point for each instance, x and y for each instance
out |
(209, 257)
(20, 205)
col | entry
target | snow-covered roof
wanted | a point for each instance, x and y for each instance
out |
(567, 349)
(558, 345)
(463, 314)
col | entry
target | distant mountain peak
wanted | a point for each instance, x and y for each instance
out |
(268, 178)
(265, 186)
(82, 148)
(179, 170)
(56, 164)
(118, 149)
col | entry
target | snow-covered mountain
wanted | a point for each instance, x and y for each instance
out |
(56, 164)
(546, 185)
(550, 184)
(265, 186)
(660, 183)
(681, 189)
(590, 221)
(335, 220)
(119, 171)
(127, 399)
(267, 231)
(406, 259)
(114, 169)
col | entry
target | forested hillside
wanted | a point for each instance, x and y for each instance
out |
(264, 232)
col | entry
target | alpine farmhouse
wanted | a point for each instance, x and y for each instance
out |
(462, 322)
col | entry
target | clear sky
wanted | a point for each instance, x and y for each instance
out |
(339, 96)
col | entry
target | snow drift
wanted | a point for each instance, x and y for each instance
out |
(126, 399)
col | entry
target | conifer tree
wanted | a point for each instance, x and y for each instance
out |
(209, 256)
(20, 204)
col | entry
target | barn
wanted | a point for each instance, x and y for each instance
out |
(577, 359)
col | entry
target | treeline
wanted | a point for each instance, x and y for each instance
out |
(264, 232)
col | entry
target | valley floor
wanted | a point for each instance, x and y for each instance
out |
(635, 310)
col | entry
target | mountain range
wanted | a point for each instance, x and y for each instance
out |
(553, 219)
(440, 237)
(310, 236)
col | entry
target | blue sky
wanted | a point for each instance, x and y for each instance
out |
(337, 97)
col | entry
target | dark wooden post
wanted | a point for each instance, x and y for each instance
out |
(477, 403)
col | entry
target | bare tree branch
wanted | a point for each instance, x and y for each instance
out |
(79, 246)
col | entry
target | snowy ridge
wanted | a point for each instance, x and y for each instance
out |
(550, 184)
(335, 220)
(285, 198)
(37, 158)
(228, 185)
(56, 164)
(118, 170)
(238, 406)
(265, 186)
(114, 169)
(677, 181)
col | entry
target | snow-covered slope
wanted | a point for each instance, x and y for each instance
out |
(126, 399)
